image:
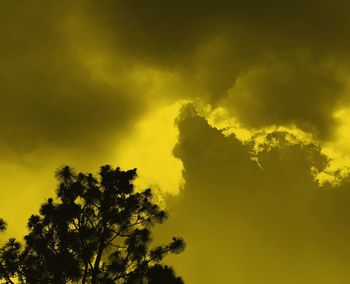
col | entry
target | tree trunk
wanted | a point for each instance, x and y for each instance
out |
(83, 281)
(98, 259)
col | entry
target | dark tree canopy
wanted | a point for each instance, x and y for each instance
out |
(162, 274)
(96, 230)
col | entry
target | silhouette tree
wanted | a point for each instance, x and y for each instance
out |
(9, 257)
(96, 230)
(162, 274)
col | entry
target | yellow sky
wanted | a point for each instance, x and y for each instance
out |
(237, 113)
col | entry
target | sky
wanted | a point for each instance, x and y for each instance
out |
(236, 113)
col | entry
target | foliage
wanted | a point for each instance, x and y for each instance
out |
(96, 230)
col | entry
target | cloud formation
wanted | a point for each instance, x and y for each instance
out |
(252, 224)
(88, 68)
(283, 63)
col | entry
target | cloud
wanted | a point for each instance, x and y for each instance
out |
(287, 93)
(270, 63)
(86, 69)
(48, 98)
(237, 217)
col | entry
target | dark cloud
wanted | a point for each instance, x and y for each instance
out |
(48, 98)
(300, 45)
(244, 224)
(287, 93)
(171, 29)
(48, 95)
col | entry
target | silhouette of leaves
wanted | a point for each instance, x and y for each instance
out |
(96, 230)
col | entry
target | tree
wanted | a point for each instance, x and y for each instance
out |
(96, 230)
(162, 274)
(9, 256)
